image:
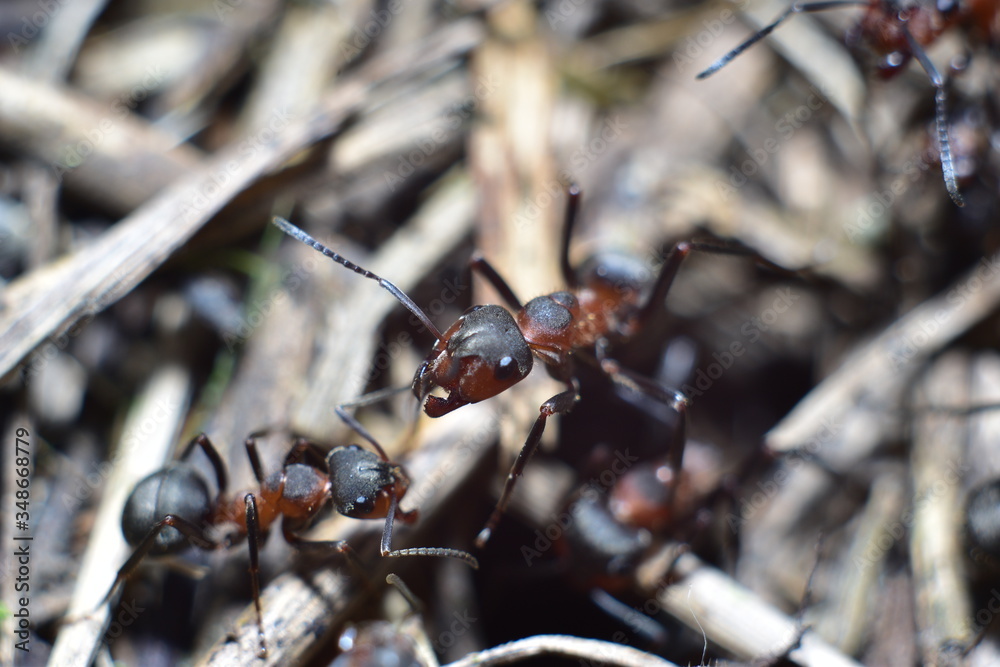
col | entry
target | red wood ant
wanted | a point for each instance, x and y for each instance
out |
(899, 31)
(172, 508)
(488, 350)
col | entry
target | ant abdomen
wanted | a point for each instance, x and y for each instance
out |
(622, 272)
(601, 544)
(176, 490)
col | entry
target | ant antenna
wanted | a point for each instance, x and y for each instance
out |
(940, 116)
(940, 96)
(796, 8)
(416, 606)
(297, 233)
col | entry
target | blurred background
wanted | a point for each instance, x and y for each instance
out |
(831, 448)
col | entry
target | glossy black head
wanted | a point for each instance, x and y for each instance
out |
(982, 515)
(177, 489)
(361, 483)
(481, 355)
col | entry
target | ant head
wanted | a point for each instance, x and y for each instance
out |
(982, 515)
(481, 355)
(177, 489)
(362, 484)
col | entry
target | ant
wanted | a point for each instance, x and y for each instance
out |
(172, 508)
(982, 522)
(489, 349)
(899, 31)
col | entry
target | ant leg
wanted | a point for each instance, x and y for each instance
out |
(769, 28)
(675, 399)
(195, 534)
(303, 447)
(569, 223)
(253, 543)
(444, 552)
(254, 456)
(359, 429)
(672, 265)
(416, 606)
(201, 440)
(654, 633)
(366, 399)
(340, 546)
(559, 404)
(485, 269)
(940, 116)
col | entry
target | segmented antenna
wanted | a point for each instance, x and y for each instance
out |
(940, 117)
(768, 29)
(940, 96)
(297, 233)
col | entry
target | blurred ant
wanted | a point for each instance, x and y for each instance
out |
(898, 31)
(385, 642)
(982, 523)
(488, 350)
(172, 508)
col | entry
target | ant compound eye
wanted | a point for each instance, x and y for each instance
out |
(363, 505)
(505, 368)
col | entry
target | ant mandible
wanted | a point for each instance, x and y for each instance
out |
(899, 31)
(172, 508)
(488, 350)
